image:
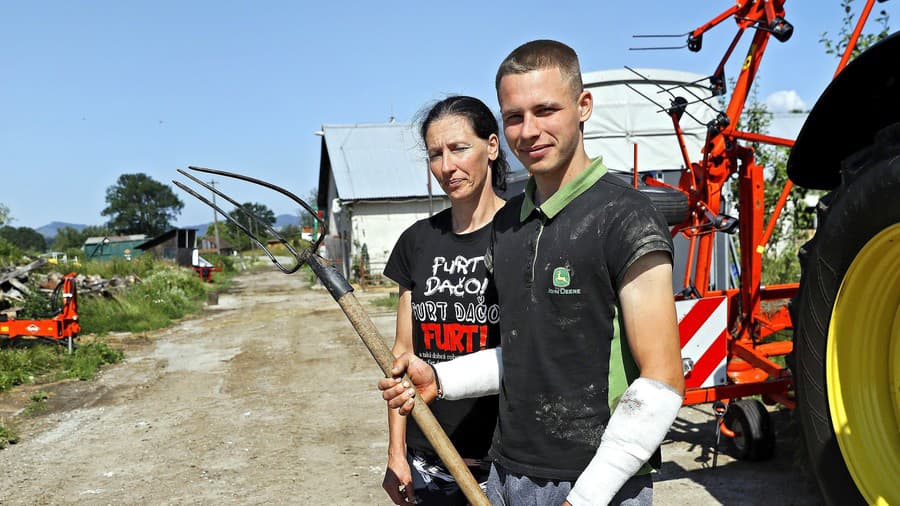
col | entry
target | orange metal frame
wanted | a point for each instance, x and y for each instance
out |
(62, 325)
(205, 273)
(750, 369)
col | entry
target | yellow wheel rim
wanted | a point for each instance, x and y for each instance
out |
(863, 368)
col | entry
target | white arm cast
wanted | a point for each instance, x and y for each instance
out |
(637, 427)
(473, 375)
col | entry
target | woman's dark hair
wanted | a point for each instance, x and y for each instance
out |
(483, 124)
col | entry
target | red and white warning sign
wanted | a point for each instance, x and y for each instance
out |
(703, 326)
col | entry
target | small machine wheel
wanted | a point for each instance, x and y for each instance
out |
(754, 437)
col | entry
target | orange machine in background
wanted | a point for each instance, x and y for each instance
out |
(61, 326)
(203, 267)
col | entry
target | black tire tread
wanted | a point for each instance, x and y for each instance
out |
(672, 204)
(864, 204)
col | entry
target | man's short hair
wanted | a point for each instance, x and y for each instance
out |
(542, 55)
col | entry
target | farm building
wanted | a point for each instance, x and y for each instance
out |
(373, 184)
(113, 246)
(176, 244)
(207, 244)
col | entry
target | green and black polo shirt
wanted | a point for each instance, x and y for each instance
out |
(557, 268)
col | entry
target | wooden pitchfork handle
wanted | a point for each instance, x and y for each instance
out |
(342, 292)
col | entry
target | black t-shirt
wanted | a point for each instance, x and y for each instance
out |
(566, 362)
(455, 312)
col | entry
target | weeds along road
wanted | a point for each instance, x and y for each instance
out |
(269, 398)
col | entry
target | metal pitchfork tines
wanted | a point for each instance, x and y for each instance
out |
(342, 292)
(300, 258)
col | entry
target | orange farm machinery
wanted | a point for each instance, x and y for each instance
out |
(842, 365)
(61, 326)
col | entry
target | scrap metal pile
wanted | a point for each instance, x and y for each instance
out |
(17, 283)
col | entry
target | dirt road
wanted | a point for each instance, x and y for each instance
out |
(269, 398)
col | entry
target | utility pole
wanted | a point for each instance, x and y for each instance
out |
(212, 183)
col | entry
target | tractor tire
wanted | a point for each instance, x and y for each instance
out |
(671, 204)
(846, 318)
(754, 437)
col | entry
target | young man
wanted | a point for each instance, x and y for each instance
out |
(589, 369)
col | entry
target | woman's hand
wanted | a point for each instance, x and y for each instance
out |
(398, 481)
(400, 393)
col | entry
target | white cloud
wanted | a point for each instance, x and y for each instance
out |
(785, 101)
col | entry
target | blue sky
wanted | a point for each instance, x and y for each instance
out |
(90, 90)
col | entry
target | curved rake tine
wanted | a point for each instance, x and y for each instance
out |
(342, 293)
(675, 87)
(665, 109)
(241, 227)
(266, 184)
(297, 256)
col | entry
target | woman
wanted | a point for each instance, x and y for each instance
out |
(447, 307)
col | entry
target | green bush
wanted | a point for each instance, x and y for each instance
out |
(174, 292)
(166, 294)
(226, 262)
(87, 359)
(37, 304)
(140, 266)
(18, 366)
(9, 253)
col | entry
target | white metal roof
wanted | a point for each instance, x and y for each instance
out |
(115, 238)
(622, 117)
(377, 161)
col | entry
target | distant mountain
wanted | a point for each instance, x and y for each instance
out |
(49, 230)
(281, 221)
(201, 229)
(286, 219)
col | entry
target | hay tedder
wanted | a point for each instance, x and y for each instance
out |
(61, 326)
(842, 366)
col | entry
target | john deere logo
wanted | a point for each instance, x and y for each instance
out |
(561, 277)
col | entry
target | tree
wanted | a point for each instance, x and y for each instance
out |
(780, 264)
(24, 238)
(290, 231)
(5, 218)
(71, 238)
(306, 219)
(837, 47)
(68, 238)
(138, 204)
(240, 239)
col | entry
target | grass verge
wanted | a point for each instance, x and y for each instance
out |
(49, 362)
(165, 294)
(8, 435)
(38, 403)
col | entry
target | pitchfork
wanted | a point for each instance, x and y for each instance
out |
(342, 292)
